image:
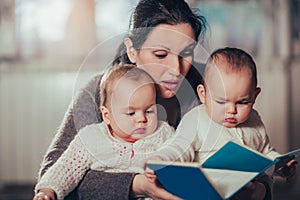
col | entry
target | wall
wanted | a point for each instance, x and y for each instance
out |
(295, 108)
(32, 106)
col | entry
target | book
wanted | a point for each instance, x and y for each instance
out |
(221, 176)
(243, 158)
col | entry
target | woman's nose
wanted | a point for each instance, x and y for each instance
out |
(174, 65)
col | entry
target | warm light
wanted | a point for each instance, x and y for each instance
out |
(46, 19)
(112, 17)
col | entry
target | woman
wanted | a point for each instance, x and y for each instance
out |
(162, 37)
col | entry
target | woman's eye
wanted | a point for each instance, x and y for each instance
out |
(160, 54)
(187, 53)
(149, 111)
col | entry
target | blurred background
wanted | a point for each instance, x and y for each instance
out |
(44, 44)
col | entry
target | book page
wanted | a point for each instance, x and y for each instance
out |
(228, 182)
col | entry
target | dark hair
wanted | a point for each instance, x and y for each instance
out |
(237, 59)
(151, 13)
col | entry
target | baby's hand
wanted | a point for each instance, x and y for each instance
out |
(150, 158)
(288, 171)
(150, 174)
(45, 194)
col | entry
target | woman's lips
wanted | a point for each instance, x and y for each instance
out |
(170, 85)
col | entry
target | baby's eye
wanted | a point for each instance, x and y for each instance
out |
(244, 102)
(130, 113)
(220, 102)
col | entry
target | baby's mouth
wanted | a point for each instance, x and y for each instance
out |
(140, 130)
(231, 120)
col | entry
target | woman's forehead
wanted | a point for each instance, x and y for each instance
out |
(172, 37)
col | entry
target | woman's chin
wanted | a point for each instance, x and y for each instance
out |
(167, 94)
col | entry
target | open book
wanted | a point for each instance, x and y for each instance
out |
(221, 175)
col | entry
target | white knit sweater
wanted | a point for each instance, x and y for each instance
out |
(198, 136)
(94, 148)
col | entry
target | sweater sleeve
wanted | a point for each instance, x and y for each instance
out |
(181, 146)
(261, 138)
(105, 185)
(68, 170)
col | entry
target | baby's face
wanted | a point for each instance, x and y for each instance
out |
(133, 110)
(229, 97)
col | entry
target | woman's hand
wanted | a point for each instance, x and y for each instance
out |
(45, 194)
(253, 191)
(142, 187)
(288, 171)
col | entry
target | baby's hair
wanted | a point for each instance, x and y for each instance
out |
(236, 60)
(115, 73)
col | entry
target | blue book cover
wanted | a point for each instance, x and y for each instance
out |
(221, 176)
(234, 156)
(185, 180)
(190, 181)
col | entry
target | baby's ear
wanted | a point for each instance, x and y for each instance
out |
(201, 93)
(257, 91)
(105, 114)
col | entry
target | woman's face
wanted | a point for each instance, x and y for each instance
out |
(167, 55)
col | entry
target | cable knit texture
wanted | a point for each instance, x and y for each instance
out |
(66, 173)
(94, 148)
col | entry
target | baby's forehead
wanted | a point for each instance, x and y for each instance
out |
(128, 91)
(223, 67)
(132, 81)
(126, 88)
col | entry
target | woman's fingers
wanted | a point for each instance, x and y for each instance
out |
(144, 188)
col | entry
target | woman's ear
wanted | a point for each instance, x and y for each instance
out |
(131, 51)
(201, 93)
(105, 114)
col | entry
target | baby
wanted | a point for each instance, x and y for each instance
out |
(130, 132)
(228, 94)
